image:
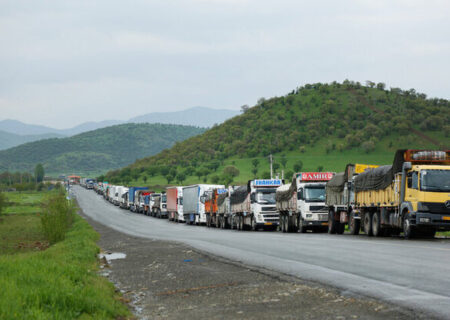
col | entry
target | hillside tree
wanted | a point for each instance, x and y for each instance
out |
(39, 173)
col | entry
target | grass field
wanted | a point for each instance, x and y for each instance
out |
(39, 281)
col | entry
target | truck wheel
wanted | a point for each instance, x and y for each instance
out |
(254, 225)
(241, 223)
(376, 225)
(354, 225)
(368, 223)
(301, 225)
(290, 224)
(331, 222)
(408, 231)
(340, 228)
(218, 222)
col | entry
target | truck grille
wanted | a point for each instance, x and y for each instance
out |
(318, 208)
(436, 207)
(271, 217)
(268, 208)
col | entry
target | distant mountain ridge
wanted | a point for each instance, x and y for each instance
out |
(96, 151)
(9, 140)
(197, 116)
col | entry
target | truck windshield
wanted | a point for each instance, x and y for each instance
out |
(265, 197)
(315, 194)
(435, 180)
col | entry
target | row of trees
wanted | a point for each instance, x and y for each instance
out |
(23, 180)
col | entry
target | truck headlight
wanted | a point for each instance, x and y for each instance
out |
(259, 218)
(309, 215)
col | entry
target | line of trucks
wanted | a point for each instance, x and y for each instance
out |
(411, 196)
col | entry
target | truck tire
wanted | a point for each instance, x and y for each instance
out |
(254, 225)
(408, 231)
(219, 222)
(367, 223)
(354, 225)
(377, 230)
(290, 224)
(332, 223)
(340, 228)
(208, 221)
(301, 225)
(241, 223)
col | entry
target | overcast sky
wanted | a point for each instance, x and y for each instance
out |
(66, 62)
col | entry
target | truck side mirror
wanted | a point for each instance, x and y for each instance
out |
(300, 194)
(409, 179)
(202, 199)
(252, 198)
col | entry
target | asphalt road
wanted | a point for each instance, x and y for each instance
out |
(413, 274)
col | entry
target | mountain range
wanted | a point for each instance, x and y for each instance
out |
(20, 132)
(95, 151)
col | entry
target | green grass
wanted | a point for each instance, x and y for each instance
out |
(60, 282)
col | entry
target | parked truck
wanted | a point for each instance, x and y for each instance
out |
(411, 196)
(253, 206)
(224, 209)
(193, 208)
(175, 203)
(157, 205)
(120, 193)
(301, 203)
(340, 199)
(132, 195)
(210, 199)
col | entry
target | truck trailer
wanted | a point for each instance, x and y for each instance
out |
(193, 208)
(253, 206)
(340, 199)
(411, 196)
(175, 203)
(301, 204)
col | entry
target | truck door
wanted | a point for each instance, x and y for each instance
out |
(412, 188)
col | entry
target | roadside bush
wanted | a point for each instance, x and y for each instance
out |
(2, 202)
(57, 217)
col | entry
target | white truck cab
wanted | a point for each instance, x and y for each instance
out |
(311, 200)
(263, 204)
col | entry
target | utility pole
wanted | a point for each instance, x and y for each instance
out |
(271, 167)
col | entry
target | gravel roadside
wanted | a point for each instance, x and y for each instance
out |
(167, 280)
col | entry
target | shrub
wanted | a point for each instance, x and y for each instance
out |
(2, 203)
(57, 216)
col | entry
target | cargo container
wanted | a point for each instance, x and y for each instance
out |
(340, 199)
(411, 196)
(175, 203)
(193, 208)
(253, 206)
(301, 204)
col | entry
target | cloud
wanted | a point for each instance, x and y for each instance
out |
(92, 59)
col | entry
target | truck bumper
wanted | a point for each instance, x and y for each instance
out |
(432, 220)
(315, 223)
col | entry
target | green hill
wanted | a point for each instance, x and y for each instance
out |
(97, 151)
(323, 126)
(9, 140)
